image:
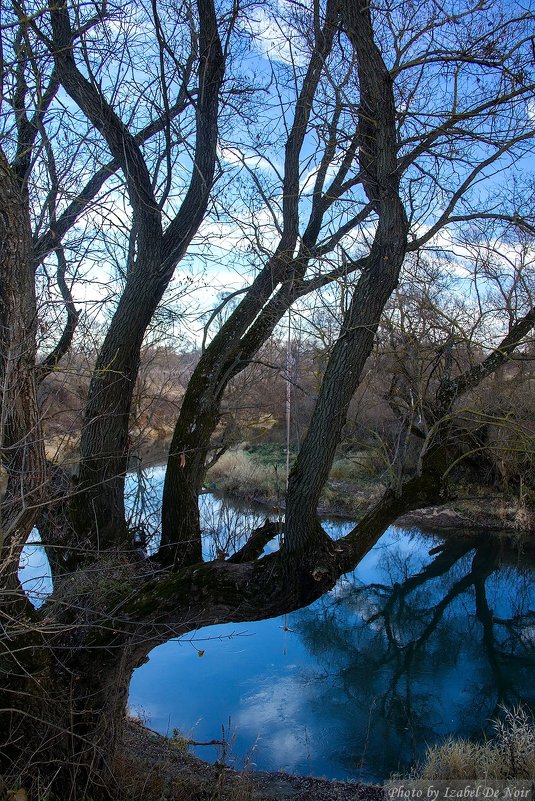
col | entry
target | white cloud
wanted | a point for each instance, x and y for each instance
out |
(253, 161)
(275, 40)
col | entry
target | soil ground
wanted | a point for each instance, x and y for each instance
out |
(154, 768)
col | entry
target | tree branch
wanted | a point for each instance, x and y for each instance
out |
(256, 543)
(51, 361)
(470, 379)
(49, 240)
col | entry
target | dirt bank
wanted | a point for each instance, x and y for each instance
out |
(486, 513)
(152, 767)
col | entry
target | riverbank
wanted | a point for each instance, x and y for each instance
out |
(257, 475)
(496, 514)
(351, 490)
(153, 767)
(156, 768)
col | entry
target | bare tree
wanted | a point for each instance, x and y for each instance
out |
(396, 124)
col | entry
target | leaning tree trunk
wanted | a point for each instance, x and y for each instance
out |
(98, 508)
(378, 161)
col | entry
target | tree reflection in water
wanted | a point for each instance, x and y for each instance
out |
(435, 648)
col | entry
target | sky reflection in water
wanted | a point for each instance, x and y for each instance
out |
(404, 651)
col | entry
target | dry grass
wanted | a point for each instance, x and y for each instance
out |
(359, 466)
(263, 476)
(510, 754)
(236, 472)
(63, 449)
(343, 470)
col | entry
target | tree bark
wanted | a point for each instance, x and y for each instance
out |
(21, 439)
(377, 153)
(98, 506)
(62, 716)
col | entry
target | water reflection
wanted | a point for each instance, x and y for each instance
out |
(424, 639)
(407, 649)
(34, 571)
(226, 524)
(430, 654)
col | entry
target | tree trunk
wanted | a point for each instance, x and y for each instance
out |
(377, 155)
(98, 507)
(21, 440)
(62, 717)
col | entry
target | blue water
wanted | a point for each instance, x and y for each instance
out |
(358, 684)
(34, 570)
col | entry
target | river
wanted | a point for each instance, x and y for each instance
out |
(408, 649)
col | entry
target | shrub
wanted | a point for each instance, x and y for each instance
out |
(510, 754)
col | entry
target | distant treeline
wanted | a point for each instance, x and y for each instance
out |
(495, 421)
